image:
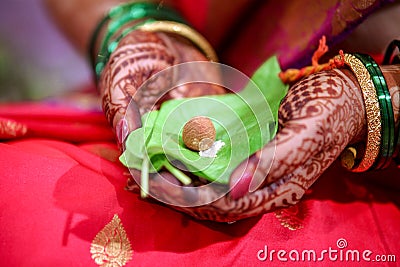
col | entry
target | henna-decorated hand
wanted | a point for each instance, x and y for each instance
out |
(318, 118)
(138, 57)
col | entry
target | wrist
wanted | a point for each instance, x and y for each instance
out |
(359, 129)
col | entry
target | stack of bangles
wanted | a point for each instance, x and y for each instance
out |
(382, 144)
(123, 19)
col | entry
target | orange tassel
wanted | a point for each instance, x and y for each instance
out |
(293, 75)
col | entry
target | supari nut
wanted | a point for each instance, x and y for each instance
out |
(198, 133)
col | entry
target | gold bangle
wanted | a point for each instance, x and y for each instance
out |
(182, 30)
(372, 111)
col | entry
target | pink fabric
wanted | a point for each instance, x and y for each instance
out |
(61, 183)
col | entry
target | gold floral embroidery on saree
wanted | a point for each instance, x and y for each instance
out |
(111, 246)
(293, 217)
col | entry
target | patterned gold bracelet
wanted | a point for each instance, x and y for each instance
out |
(372, 109)
(182, 30)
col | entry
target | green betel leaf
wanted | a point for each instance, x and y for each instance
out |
(245, 122)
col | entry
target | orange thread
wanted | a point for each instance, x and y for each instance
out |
(293, 75)
(322, 49)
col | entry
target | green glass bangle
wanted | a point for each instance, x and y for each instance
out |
(395, 60)
(117, 18)
(386, 110)
(112, 14)
(113, 27)
(137, 10)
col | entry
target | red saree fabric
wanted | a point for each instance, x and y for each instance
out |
(58, 195)
(63, 201)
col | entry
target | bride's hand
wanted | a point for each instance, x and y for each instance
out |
(139, 56)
